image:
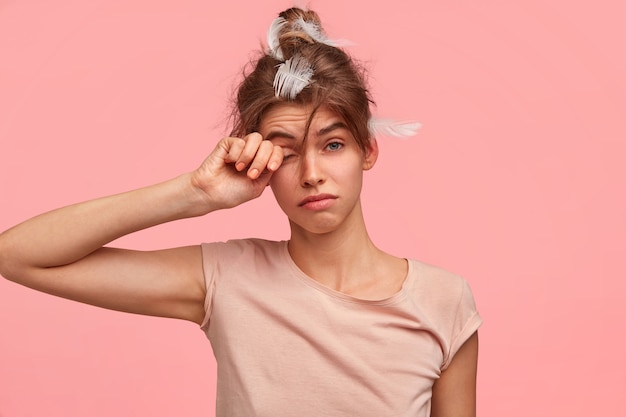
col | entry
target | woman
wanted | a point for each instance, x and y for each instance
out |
(323, 324)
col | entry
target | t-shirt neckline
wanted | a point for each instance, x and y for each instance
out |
(395, 298)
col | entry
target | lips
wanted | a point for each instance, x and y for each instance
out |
(312, 199)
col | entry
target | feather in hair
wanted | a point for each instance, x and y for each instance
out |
(272, 38)
(388, 127)
(292, 77)
(313, 30)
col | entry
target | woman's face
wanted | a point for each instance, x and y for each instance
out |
(318, 185)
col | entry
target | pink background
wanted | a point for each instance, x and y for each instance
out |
(516, 181)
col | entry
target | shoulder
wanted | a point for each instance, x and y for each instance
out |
(436, 285)
(242, 245)
(237, 252)
(447, 301)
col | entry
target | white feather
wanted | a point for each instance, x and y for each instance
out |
(272, 38)
(292, 77)
(388, 127)
(313, 30)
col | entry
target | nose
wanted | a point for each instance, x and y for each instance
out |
(311, 172)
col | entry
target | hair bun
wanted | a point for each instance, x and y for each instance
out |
(293, 29)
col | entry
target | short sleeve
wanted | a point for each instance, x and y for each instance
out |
(208, 267)
(466, 322)
(225, 260)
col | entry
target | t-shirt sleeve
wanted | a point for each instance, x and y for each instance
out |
(223, 259)
(218, 258)
(209, 265)
(466, 322)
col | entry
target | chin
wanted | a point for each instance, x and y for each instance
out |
(317, 228)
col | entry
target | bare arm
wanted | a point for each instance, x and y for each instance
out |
(454, 393)
(62, 253)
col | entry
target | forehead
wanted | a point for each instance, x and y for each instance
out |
(293, 118)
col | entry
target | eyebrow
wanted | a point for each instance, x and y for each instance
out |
(279, 134)
(323, 131)
(337, 125)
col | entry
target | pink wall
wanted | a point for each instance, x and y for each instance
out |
(516, 182)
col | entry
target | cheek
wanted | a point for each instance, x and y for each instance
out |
(279, 182)
(282, 190)
(351, 171)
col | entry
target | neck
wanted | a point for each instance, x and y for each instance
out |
(338, 258)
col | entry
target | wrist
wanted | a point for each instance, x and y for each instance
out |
(197, 200)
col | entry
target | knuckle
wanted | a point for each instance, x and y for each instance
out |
(234, 144)
(267, 146)
(252, 141)
(254, 136)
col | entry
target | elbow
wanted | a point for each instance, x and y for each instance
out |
(9, 266)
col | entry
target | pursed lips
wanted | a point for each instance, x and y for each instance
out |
(316, 197)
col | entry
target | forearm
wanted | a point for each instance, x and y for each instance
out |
(68, 234)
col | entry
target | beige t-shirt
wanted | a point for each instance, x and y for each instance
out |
(286, 345)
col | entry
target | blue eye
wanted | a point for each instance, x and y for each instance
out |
(334, 146)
